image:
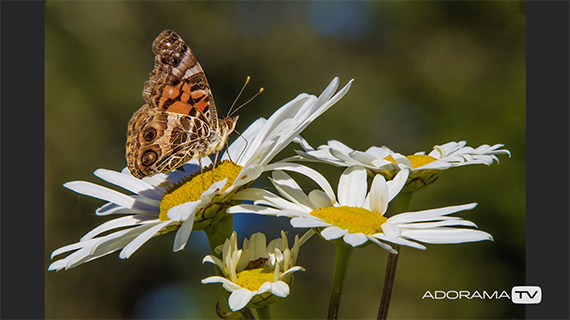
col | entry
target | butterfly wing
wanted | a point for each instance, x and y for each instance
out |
(160, 141)
(178, 83)
(179, 120)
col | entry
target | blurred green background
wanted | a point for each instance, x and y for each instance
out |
(426, 73)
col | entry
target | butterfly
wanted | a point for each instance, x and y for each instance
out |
(179, 121)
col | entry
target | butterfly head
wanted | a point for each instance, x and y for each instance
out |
(227, 126)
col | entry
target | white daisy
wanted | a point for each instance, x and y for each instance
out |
(258, 274)
(424, 168)
(357, 216)
(184, 200)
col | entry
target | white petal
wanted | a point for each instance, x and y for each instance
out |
(383, 245)
(142, 239)
(312, 174)
(321, 105)
(97, 191)
(337, 145)
(308, 223)
(352, 187)
(128, 221)
(244, 141)
(348, 161)
(430, 225)
(258, 244)
(447, 235)
(289, 189)
(250, 208)
(212, 259)
(304, 144)
(214, 190)
(138, 207)
(291, 270)
(264, 197)
(183, 234)
(244, 145)
(320, 199)
(396, 184)
(363, 157)
(280, 289)
(129, 183)
(246, 175)
(240, 298)
(183, 211)
(228, 285)
(391, 230)
(74, 246)
(400, 241)
(333, 232)
(378, 195)
(428, 215)
(355, 239)
(379, 153)
(400, 159)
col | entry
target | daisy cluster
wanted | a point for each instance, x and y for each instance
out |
(192, 198)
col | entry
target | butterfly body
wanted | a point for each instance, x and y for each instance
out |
(179, 121)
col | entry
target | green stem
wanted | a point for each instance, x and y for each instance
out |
(263, 313)
(219, 232)
(217, 235)
(342, 259)
(402, 205)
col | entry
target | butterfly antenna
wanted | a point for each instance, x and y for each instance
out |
(239, 95)
(248, 101)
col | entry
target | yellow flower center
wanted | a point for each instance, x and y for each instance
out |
(353, 219)
(253, 279)
(191, 188)
(417, 160)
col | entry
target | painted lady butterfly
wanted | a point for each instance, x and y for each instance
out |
(179, 121)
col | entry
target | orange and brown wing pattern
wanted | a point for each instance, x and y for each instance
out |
(160, 141)
(178, 83)
(179, 121)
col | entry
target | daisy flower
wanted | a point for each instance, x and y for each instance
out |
(424, 169)
(357, 216)
(187, 199)
(258, 274)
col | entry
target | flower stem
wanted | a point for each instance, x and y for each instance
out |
(217, 235)
(388, 283)
(342, 259)
(263, 313)
(219, 232)
(402, 205)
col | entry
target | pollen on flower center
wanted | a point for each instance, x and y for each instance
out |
(354, 219)
(191, 188)
(253, 279)
(417, 160)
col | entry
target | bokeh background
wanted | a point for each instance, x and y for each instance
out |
(426, 73)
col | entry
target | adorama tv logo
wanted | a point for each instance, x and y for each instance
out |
(526, 295)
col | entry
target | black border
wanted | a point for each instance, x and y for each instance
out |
(21, 166)
(22, 180)
(547, 137)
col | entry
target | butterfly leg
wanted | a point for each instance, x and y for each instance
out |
(214, 166)
(201, 171)
(228, 151)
